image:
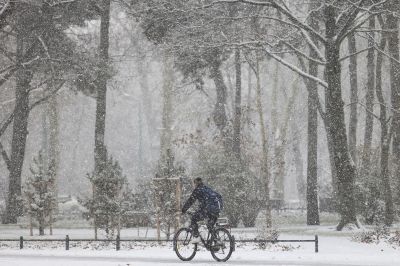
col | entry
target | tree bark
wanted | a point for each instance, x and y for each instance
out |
(312, 136)
(369, 106)
(166, 133)
(337, 129)
(393, 47)
(274, 112)
(385, 139)
(146, 93)
(281, 145)
(54, 145)
(264, 144)
(238, 107)
(100, 150)
(353, 121)
(219, 113)
(20, 128)
(300, 180)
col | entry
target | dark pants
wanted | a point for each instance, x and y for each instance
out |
(201, 215)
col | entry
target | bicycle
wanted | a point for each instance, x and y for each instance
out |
(219, 242)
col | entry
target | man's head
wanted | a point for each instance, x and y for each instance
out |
(197, 182)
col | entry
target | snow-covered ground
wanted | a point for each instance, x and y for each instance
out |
(334, 249)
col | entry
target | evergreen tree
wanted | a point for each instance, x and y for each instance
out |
(39, 193)
(105, 206)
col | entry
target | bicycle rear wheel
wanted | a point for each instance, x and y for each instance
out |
(222, 244)
(182, 246)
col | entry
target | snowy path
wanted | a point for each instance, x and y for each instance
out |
(98, 260)
(335, 249)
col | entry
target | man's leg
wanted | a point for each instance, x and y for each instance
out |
(212, 219)
(197, 216)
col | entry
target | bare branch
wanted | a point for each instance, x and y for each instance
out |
(5, 6)
(297, 51)
(45, 98)
(347, 30)
(6, 123)
(386, 54)
(8, 75)
(280, 8)
(356, 53)
(307, 83)
(296, 69)
(6, 158)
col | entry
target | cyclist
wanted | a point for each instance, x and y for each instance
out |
(210, 206)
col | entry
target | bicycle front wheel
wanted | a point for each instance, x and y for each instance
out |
(222, 244)
(182, 246)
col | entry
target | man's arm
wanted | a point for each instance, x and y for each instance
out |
(190, 201)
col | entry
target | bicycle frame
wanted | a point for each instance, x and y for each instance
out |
(207, 242)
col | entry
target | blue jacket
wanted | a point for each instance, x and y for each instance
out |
(210, 200)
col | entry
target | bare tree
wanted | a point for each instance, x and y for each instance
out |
(238, 107)
(312, 130)
(353, 121)
(393, 48)
(369, 105)
(385, 136)
(340, 20)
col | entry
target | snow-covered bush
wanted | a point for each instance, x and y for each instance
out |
(394, 238)
(372, 236)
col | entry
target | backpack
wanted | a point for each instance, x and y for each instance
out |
(215, 203)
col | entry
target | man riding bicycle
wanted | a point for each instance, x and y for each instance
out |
(210, 207)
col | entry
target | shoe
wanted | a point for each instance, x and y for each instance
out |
(195, 240)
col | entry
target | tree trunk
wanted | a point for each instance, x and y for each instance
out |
(274, 112)
(276, 193)
(20, 132)
(249, 88)
(393, 46)
(264, 144)
(300, 180)
(146, 93)
(312, 136)
(219, 113)
(385, 139)
(41, 222)
(353, 121)
(166, 134)
(238, 107)
(369, 106)
(337, 128)
(54, 147)
(280, 145)
(100, 151)
(140, 160)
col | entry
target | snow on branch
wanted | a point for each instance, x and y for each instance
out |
(296, 69)
(299, 52)
(347, 29)
(59, 2)
(356, 53)
(282, 9)
(386, 54)
(5, 156)
(313, 46)
(4, 7)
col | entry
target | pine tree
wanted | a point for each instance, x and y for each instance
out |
(105, 206)
(39, 193)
